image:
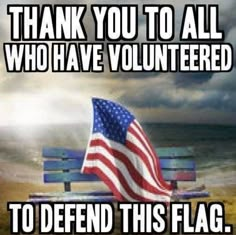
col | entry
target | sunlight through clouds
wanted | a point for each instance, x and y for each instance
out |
(45, 98)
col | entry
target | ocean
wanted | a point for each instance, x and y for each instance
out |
(214, 145)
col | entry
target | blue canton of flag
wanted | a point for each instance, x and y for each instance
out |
(110, 119)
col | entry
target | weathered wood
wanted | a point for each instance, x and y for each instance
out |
(81, 198)
(171, 152)
(60, 165)
(49, 152)
(57, 165)
(169, 175)
(67, 186)
(69, 177)
(178, 175)
(188, 195)
(69, 194)
(162, 152)
(177, 164)
(73, 159)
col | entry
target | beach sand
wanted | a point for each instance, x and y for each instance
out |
(15, 187)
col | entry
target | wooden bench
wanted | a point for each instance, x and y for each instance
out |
(63, 165)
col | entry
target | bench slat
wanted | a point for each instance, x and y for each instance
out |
(62, 165)
(177, 164)
(171, 167)
(163, 152)
(49, 152)
(77, 164)
(179, 175)
(81, 198)
(168, 175)
(189, 195)
(69, 177)
(169, 152)
(69, 194)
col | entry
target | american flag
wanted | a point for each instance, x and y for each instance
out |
(122, 156)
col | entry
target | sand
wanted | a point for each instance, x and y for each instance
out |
(17, 188)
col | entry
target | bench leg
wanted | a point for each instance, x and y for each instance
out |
(174, 184)
(67, 187)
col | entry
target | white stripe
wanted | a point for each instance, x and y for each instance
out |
(106, 170)
(134, 159)
(137, 123)
(145, 142)
(125, 172)
(112, 177)
(133, 139)
(142, 137)
(153, 155)
(140, 166)
(136, 142)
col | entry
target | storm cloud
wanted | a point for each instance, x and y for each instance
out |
(66, 97)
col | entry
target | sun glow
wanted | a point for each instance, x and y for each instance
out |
(39, 109)
(26, 111)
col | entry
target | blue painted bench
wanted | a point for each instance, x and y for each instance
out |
(63, 165)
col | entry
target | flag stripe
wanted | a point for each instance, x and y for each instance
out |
(122, 157)
(128, 189)
(126, 151)
(146, 142)
(131, 138)
(158, 165)
(140, 150)
(108, 180)
(135, 131)
(116, 172)
(117, 151)
(122, 163)
(134, 148)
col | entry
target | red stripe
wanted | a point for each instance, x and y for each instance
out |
(137, 177)
(106, 180)
(143, 156)
(158, 167)
(137, 135)
(119, 175)
(156, 160)
(153, 154)
(135, 122)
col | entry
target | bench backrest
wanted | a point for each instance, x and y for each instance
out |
(63, 165)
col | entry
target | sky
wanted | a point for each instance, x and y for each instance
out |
(55, 98)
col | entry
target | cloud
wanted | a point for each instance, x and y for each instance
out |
(225, 82)
(231, 38)
(54, 98)
(191, 79)
(218, 93)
